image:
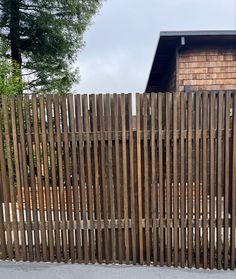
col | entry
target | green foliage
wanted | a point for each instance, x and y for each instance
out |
(10, 74)
(44, 37)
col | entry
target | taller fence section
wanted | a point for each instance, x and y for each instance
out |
(116, 179)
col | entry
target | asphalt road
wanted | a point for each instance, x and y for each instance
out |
(12, 270)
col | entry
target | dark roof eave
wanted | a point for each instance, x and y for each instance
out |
(198, 33)
(169, 40)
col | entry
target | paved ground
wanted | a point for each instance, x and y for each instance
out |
(12, 270)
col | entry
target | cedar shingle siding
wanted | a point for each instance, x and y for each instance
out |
(207, 69)
(194, 61)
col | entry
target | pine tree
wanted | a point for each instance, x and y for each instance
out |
(44, 37)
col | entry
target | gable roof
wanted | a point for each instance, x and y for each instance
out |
(170, 40)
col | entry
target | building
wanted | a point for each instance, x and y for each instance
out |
(194, 61)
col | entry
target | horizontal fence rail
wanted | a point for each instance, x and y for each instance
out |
(117, 179)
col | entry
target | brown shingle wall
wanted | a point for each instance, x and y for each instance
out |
(207, 69)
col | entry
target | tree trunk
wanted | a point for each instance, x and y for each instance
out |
(15, 33)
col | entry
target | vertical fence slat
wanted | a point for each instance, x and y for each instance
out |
(160, 176)
(89, 177)
(39, 177)
(204, 176)
(60, 177)
(182, 175)
(190, 183)
(32, 177)
(139, 179)
(6, 184)
(103, 175)
(106, 172)
(68, 177)
(146, 178)
(3, 253)
(96, 179)
(226, 179)
(110, 176)
(46, 177)
(167, 176)
(118, 175)
(154, 180)
(175, 181)
(233, 188)
(197, 179)
(132, 185)
(212, 179)
(25, 176)
(11, 180)
(75, 179)
(219, 181)
(82, 177)
(18, 184)
(54, 178)
(124, 181)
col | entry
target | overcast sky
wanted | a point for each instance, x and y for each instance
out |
(121, 43)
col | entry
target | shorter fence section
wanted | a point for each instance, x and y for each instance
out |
(85, 179)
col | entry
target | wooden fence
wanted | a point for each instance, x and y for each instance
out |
(111, 178)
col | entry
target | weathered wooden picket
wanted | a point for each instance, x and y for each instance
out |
(89, 178)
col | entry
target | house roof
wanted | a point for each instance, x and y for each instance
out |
(170, 40)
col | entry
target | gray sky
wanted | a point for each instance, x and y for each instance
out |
(121, 43)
